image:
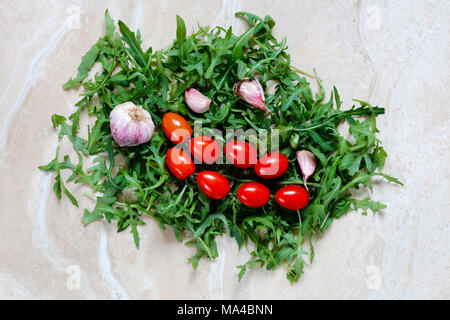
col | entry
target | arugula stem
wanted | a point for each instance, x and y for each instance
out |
(91, 196)
(301, 71)
(354, 181)
(251, 124)
(324, 220)
(300, 236)
(237, 179)
(286, 182)
(339, 117)
(206, 248)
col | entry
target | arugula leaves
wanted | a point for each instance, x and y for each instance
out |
(86, 64)
(134, 183)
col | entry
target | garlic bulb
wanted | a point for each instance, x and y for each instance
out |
(251, 92)
(196, 101)
(307, 163)
(130, 125)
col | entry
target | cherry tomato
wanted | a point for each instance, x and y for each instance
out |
(179, 163)
(241, 154)
(176, 128)
(213, 184)
(272, 165)
(292, 197)
(205, 149)
(253, 194)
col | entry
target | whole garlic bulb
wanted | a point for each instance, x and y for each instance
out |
(130, 125)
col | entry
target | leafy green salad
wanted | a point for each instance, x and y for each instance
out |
(272, 190)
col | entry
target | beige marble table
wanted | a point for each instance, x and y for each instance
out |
(392, 53)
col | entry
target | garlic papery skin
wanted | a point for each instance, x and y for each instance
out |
(130, 125)
(196, 101)
(251, 92)
(307, 162)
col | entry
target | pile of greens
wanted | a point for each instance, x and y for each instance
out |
(213, 60)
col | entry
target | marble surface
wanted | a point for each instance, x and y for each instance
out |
(392, 53)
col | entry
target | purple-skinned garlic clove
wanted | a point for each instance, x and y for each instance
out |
(251, 92)
(307, 162)
(196, 101)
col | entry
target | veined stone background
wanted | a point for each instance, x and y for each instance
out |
(394, 54)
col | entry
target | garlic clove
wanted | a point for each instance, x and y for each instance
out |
(196, 101)
(251, 92)
(307, 162)
(130, 125)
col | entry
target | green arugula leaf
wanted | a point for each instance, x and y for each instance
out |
(134, 49)
(110, 29)
(86, 64)
(366, 203)
(181, 36)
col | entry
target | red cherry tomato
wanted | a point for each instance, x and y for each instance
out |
(272, 165)
(176, 128)
(292, 197)
(253, 194)
(213, 184)
(241, 154)
(205, 149)
(179, 163)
